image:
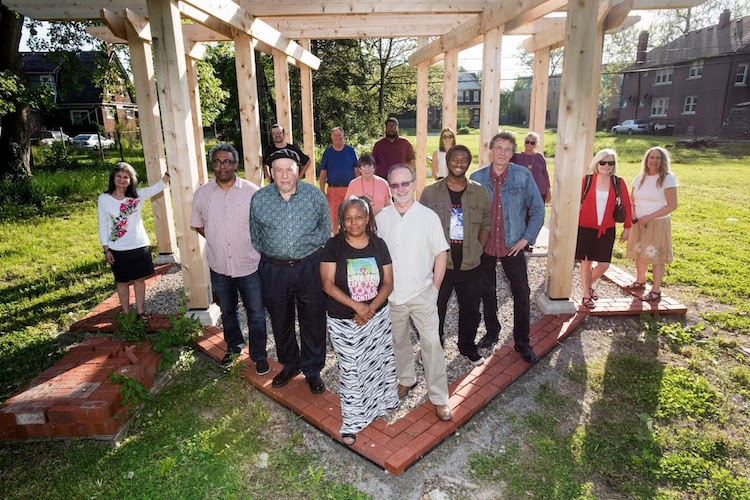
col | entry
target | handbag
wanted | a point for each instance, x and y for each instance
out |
(619, 212)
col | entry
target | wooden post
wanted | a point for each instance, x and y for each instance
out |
(174, 99)
(450, 89)
(195, 112)
(247, 92)
(308, 125)
(574, 128)
(422, 109)
(281, 85)
(596, 79)
(539, 89)
(490, 98)
(149, 120)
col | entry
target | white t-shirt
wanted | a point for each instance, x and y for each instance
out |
(649, 198)
(601, 204)
(442, 170)
(120, 221)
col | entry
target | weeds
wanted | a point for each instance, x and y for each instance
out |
(133, 392)
(132, 326)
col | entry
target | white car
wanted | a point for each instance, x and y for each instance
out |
(631, 127)
(92, 141)
(47, 137)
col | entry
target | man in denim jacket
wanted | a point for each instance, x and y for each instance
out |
(512, 191)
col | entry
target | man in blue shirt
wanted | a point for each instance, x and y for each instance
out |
(289, 225)
(512, 192)
(338, 168)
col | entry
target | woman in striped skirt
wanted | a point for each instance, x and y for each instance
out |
(357, 276)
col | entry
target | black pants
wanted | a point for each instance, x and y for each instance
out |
(467, 285)
(292, 290)
(517, 275)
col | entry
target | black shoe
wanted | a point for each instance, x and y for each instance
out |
(283, 378)
(475, 359)
(527, 354)
(228, 359)
(261, 367)
(488, 340)
(316, 384)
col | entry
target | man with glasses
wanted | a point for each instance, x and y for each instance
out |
(338, 168)
(415, 240)
(464, 210)
(290, 224)
(512, 192)
(392, 149)
(278, 134)
(221, 214)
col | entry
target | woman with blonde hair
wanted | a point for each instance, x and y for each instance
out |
(439, 165)
(654, 199)
(601, 191)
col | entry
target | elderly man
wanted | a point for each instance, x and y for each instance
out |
(415, 240)
(512, 192)
(289, 224)
(221, 214)
(392, 149)
(464, 209)
(338, 168)
(279, 142)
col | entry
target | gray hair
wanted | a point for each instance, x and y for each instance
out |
(404, 166)
(594, 166)
(224, 147)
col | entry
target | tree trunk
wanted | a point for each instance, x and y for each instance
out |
(15, 129)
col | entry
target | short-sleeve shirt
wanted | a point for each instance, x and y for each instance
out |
(387, 153)
(359, 272)
(120, 221)
(225, 219)
(649, 197)
(339, 165)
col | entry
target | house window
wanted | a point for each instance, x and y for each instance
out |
(624, 104)
(476, 96)
(460, 97)
(467, 95)
(741, 78)
(129, 114)
(691, 102)
(664, 76)
(696, 70)
(79, 117)
(110, 113)
(659, 106)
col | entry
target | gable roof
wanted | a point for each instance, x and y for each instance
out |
(703, 43)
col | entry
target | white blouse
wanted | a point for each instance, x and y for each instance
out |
(120, 221)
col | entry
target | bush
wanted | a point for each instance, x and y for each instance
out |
(464, 130)
(53, 158)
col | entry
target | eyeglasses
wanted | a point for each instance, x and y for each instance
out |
(396, 185)
(533, 143)
(447, 137)
(507, 151)
(610, 163)
(222, 163)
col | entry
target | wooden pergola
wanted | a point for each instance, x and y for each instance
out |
(163, 53)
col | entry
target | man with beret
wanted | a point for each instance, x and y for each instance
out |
(289, 225)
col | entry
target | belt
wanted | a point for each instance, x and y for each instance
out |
(337, 186)
(290, 263)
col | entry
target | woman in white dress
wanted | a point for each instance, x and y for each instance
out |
(439, 165)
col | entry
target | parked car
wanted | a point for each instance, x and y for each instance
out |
(91, 141)
(631, 127)
(47, 137)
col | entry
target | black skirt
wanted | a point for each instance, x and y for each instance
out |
(131, 265)
(589, 247)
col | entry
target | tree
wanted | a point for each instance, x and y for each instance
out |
(213, 96)
(383, 57)
(666, 25)
(555, 61)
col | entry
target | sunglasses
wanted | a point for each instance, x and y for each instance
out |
(447, 137)
(533, 143)
(396, 185)
(610, 163)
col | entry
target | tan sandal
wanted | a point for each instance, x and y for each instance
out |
(348, 439)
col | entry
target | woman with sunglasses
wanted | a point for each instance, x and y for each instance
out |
(370, 186)
(439, 165)
(596, 222)
(654, 199)
(537, 165)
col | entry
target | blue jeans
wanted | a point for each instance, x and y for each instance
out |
(227, 291)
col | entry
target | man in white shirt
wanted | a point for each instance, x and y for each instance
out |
(415, 239)
(221, 213)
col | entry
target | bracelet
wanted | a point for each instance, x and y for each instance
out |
(167, 174)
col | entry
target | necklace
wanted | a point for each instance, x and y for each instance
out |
(529, 163)
(371, 195)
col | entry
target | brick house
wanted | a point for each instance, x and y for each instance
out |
(80, 106)
(691, 84)
(469, 95)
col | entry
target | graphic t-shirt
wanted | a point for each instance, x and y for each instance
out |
(456, 231)
(359, 272)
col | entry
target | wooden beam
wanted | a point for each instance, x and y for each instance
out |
(139, 23)
(618, 14)
(539, 26)
(309, 8)
(149, 121)
(308, 121)
(235, 16)
(114, 22)
(247, 91)
(539, 89)
(533, 14)
(495, 15)
(196, 116)
(574, 126)
(490, 99)
(171, 80)
(281, 91)
(423, 106)
(450, 89)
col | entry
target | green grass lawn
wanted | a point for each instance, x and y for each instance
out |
(669, 415)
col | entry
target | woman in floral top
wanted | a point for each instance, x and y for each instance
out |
(122, 235)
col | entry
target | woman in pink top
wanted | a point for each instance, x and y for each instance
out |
(370, 186)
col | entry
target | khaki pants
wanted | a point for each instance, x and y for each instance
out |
(422, 309)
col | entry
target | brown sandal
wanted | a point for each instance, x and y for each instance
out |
(593, 293)
(348, 439)
(588, 302)
(636, 286)
(651, 297)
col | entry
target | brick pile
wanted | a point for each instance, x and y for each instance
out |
(74, 397)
